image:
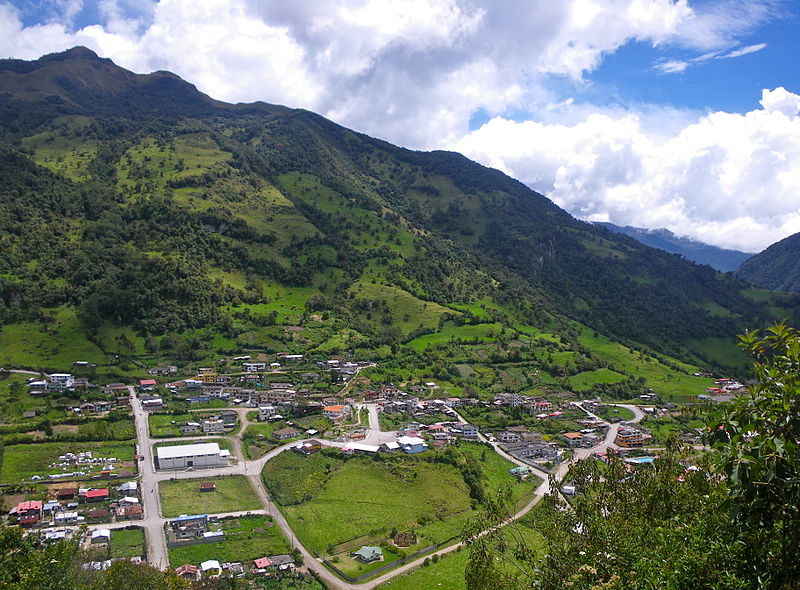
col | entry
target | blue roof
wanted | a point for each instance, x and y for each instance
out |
(183, 517)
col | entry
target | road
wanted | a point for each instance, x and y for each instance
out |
(153, 521)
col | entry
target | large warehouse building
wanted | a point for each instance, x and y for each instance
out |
(196, 455)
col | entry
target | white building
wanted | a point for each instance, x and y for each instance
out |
(60, 381)
(266, 412)
(213, 426)
(194, 455)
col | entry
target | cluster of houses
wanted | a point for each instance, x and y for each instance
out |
(71, 506)
(213, 424)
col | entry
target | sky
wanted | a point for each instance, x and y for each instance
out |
(672, 114)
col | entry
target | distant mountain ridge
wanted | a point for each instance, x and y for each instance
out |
(719, 258)
(776, 268)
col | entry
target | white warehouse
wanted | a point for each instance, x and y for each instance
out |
(196, 455)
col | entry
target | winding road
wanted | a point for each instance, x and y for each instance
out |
(154, 521)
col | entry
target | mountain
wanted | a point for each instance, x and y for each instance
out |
(719, 258)
(138, 214)
(776, 268)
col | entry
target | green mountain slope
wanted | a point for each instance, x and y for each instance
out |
(153, 219)
(776, 268)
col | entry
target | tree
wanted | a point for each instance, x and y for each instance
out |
(757, 438)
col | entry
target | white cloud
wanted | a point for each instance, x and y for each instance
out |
(726, 179)
(671, 66)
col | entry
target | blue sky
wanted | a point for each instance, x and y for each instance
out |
(655, 113)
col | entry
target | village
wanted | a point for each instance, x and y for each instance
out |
(210, 435)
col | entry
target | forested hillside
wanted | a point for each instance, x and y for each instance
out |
(138, 214)
(776, 268)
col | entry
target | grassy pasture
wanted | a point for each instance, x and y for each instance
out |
(20, 462)
(127, 543)
(183, 496)
(450, 331)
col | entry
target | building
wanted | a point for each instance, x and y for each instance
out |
(213, 426)
(266, 412)
(60, 381)
(412, 444)
(309, 447)
(211, 568)
(467, 431)
(194, 455)
(629, 437)
(190, 428)
(147, 384)
(254, 367)
(573, 438)
(96, 495)
(285, 433)
(336, 413)
(100, 536)
(368, 554)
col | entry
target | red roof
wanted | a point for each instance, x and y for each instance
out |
(29, 505)
(186, 568)
(262, 562)
(147, 382)
(101, 493)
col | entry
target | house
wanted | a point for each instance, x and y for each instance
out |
(261, 563)
(285, 433)
(128, 501)
(168, 370)
(66, 493)
(147, 384)
(466, 431)
(368, 554)
(188, 572)
(211, 567)
(405, 539)
(193, 455)
(213, 426)
(133, 512)
(100, 536)
(309, 447)
(629, 437)
(66, 517)
(412, 444)
(87, 408)
(266, 412)
(151, 402)
(28, 414)
(254, 367)
(60, 381)
(336, 413)
(189, 428)
(98, 515)
(573, 438)
(208, 486)
(508, 437)
(97, 495)
(119, 389)
(103, 406)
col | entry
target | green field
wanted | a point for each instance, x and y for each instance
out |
(332, 500)
(234, 493)
(588, 379)
(450, 332)
(20, 462)
(127, 543)
(246, 538)
(666, 381)
(446, 574)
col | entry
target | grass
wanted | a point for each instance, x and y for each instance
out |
(234, 493)
(20, 462)
(588, 379)
(409, 312)
(246, 538)
(667, 381)
(450, 331)
(126, 543)
(330, 500)
(29, 344)
(446, 574)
